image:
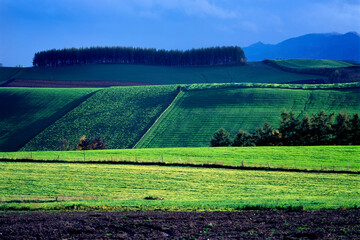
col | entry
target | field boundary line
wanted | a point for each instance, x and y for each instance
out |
(159, 118)
(164, 164)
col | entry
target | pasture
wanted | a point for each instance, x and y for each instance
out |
(24, 112)
(196, 115)
(328, 158)
(39, 186)
(311, 63)
(256, 72)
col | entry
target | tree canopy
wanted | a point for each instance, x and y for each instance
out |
(232, 55)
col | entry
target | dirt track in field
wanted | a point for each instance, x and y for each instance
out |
(324, 224)
(69, 84)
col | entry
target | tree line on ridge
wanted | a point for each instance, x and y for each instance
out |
(232, 55)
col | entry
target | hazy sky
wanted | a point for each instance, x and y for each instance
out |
(29, 26)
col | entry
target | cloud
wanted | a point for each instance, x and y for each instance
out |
(189, 7)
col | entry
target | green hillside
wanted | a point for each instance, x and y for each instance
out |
(120, 115)
(24, 112)
(252, 72)
(196, 115)
(7, 73)
(311, 63)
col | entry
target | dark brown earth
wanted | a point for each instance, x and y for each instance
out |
(69, 84)
(323, 224)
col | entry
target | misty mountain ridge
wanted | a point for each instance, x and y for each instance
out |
(332, 46)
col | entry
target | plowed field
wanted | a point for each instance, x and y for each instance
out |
(325, 224)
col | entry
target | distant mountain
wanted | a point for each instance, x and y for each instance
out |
(330, 46)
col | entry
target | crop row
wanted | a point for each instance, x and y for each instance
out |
(120, 115)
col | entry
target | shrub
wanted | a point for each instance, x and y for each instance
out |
(83, 144)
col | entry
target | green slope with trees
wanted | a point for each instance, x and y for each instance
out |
(24, 112)
(196, 115)
(119, 115)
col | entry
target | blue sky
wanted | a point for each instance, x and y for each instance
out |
(29, 26)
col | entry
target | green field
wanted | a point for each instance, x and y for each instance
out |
(305, 157)
(311, 63)
(196, 115)
(7, 73)
(252, 72)
(120, 115)
(24, 112)
(93, 186)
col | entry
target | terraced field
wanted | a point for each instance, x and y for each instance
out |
(120, 115)
(196, 115)
(256, 72)
(24, 112)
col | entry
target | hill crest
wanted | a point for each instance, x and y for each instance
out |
(332, 46)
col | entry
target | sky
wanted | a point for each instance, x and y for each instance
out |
(30, 26)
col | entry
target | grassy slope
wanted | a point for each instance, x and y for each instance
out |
(7, 73)
(311, 63)
(120, 115)
(180, 187)
(24, 112)
(253, 72)
(198, 114)
(306, 157)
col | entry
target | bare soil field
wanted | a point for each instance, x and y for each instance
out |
(249, 224)
(69, 84)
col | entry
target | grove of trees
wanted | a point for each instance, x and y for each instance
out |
(233, 55)
(319, 129)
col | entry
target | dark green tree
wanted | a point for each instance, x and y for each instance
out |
(243, 139)
(321, 130)
(221, 138)
(355, 130)
(342, 129)
(265, 136)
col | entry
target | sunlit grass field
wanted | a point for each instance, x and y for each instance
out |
(327, 158)
(311, 63)
(94, 186)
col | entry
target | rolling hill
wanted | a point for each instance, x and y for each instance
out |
(122, 115)
(24, 112)
(102, 75)
(196, 115)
